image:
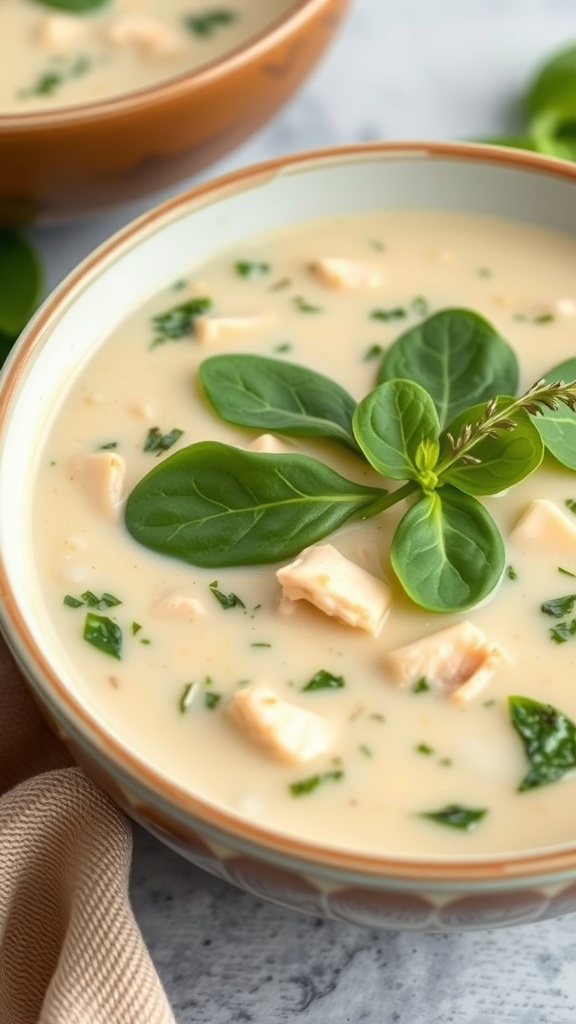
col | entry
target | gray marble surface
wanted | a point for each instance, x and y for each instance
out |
(413, 69)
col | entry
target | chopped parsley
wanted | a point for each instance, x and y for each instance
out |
(424, 748)
(323, 680)
(226, 600)
(178, 321)
(72, 602)
(457, 816)
(206, 23)
(212, 700)
(365, 749)
(420, 306)
(158, 442)
(92, 600)
(251, 268)
(305, 307)
(136, 627)
(484, 272)
(563, 631)
(377, 244)
(49, 81)
(373, 352)
(559, 606)
(571, 504)
(108, 447)
(511, 572)
(388, 315)
(377, 717)
(284, 346)
(104, 634)
(305, 786)
(566, 572)
(187, 696)
(421, 685)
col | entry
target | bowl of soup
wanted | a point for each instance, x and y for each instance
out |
(288, 534)
(108, 100)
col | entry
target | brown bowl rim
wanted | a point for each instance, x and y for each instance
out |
(174, 86)
(503, 870)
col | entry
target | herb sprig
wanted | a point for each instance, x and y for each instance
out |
(214, 505)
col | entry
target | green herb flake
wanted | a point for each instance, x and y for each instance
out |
(108, 446)
(206, 23)
(559, 606)
(484, 272)
(323, 680)
(104, 634)
(136, 627)
(457, 816)
(158, 442)
(105, 601)
(544, 318)
(421, 685)
(305, 786)
(212, 700)
(420, 306)
(566, 572)
(303, 306)
(373, 352)
(260, 645)
(178, 322)
(424, 748)
(549, 740)
(571, 504)
(563, 631)
(179, 285)
(251, 268)
(72, 602)
(187, 696)
(366, 750)
(226, 600)
(376, 244)
(511, 572)
(283, 346)
(377, 717)
(281, 284)
(389, 315)
(445, 762)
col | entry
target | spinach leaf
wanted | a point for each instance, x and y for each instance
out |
(457, 816)
(270, 394)
(73, 6)
(557, 427)
(20, 285)
(214, 505)
(557, 607)
(549, 740)
(447, 551)
(458, 357)
(104, 634)
(503, 458)
(158, 442)
(554, 85)
(390, 425)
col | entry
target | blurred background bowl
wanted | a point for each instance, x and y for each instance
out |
(70, 161)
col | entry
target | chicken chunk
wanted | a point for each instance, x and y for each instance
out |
(180, 606)
(346, 275)
(544, 524)
(289, 732)
(147, 34)
(210, 329)
(59, 32)
(102, 476)
(456, 662)
(337, 586)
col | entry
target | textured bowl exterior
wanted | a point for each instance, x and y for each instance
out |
(400, 893)
(76, 161)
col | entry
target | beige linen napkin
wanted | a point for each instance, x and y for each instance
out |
(70, 949)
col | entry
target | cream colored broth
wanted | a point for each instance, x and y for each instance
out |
(510, 273)
(50, 58)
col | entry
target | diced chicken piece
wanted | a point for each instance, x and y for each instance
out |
(141, 409)
(347, 275)
(210, 329)
(180, 606)
(337, 586)
(269, 443)
(564, 307)
(289, 732)
(544, 524)
(147, 34)
(456, 662)
(59, 32)
(102, 475)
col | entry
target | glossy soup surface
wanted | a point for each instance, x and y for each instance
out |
(51, 58)
(395, 753)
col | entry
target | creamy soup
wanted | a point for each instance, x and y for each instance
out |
(298, 713)
(51, 58)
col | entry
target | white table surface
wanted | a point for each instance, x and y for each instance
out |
(409, 69)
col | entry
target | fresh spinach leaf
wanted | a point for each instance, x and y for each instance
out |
(20, 284)
(213, 505)
(390, 425)
(554, 85)
(563, 631)
(458, 357)
(457, 816)
(557, 427)
(549, 739)
(447, 551)
(73, 6)
(271, 394)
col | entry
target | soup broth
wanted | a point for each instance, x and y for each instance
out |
(331, 295)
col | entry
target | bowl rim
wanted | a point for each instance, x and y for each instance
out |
(175, 86)
(514, 869)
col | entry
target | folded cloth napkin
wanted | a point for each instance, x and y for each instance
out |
(70, 949)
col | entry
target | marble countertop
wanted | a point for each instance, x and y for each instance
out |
(413, 69)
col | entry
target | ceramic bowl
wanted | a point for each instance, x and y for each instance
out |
(70, 161)
(416, 893)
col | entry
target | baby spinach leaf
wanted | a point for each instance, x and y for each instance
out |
(20, 284)
(270, 394)
(447, 551)
(549, 740)
(73, 6)
(554, 85)
(457, 816)
(390, 424)
(458, 357)
(557, 427)
(214, 505)
(504, 459)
